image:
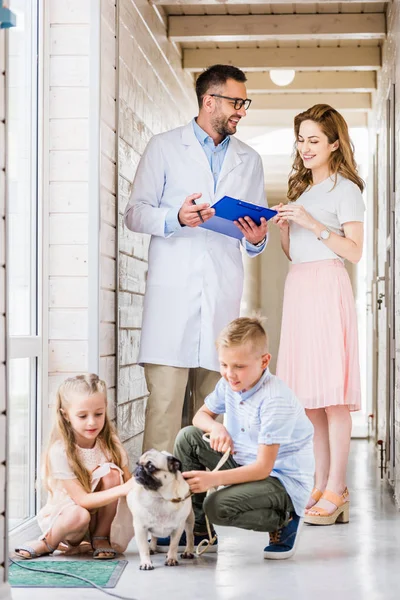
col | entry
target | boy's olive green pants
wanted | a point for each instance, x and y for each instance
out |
(258, 505)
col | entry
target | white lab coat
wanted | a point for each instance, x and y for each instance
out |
(195, 276)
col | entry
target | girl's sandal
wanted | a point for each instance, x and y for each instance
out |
(32, 552)
(98, 551)
(320, 516)
(316, 495)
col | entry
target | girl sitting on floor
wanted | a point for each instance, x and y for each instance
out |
(87, 477)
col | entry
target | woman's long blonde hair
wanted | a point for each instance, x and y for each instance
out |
(82, 385)
(341, 160)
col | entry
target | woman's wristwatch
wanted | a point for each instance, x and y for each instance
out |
(325, 234)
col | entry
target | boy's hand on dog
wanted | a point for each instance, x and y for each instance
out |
(199, 481)
(220, 440)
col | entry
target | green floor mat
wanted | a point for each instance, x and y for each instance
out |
(104, 573)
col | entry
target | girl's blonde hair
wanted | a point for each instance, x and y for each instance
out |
(242, 330)
(341, 160)
(83, 385)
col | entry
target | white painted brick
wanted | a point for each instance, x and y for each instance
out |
(128, 160)
(108, 240)
(111, 403)
(68, 261)
(130, 419)
(68, 292)
(132, 384)
(67, 356)
(108, 271)
(133, 131)
(65, 135)
(132, 274)
(107, 339)
(107, 306)
(124, 193)
(129, 340)
(69, 11)
(68, 229)
(130, 242)
(108, 208)
(69, 103)
(68, 324)
(133, 448)
(69, 165)
(68, 197)
(69, 40)
(130, 310)
(107, 370)
(69, 71)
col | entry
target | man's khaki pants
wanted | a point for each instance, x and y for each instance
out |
(167, 388)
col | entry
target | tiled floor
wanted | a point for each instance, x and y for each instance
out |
(358, 561)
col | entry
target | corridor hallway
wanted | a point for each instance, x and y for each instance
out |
(84, 86)
(358, 561)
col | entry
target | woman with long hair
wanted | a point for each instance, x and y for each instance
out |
(320, 227)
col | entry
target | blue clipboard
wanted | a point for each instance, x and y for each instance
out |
(229, 209)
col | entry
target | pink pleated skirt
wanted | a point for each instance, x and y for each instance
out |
(318, 353)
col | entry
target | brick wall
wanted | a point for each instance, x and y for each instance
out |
(390, 74)
(154, 95)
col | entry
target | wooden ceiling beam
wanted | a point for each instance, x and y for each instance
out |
(245, 28)
(359, 102)
(312, 81)
(284, 118)
(356, 58)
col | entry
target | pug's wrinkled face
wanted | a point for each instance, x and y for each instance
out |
(156, 469)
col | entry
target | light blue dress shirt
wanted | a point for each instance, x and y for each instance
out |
(269, 413)
(215, 156)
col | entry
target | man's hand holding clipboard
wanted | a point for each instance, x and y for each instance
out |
(192, 214)
(238, 219)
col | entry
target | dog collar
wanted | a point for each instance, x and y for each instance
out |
(181, 499)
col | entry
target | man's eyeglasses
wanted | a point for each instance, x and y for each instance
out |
(237, 102)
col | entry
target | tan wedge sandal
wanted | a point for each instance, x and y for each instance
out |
(320, 516)
(316, 495)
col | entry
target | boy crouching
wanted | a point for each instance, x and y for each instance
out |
(269, 474)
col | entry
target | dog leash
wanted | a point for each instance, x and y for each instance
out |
(205, 544)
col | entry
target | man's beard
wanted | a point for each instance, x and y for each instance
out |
(220, 124)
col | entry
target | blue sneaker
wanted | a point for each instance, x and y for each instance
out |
(163, 543)
(282, 542)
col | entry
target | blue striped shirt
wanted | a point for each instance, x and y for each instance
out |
(269, 413)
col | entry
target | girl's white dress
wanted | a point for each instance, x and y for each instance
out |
(95, 460)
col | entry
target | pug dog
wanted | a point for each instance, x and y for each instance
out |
(160, 504)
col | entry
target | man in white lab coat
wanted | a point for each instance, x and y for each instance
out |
(195, 276)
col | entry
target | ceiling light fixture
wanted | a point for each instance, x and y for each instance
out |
(282, 77)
